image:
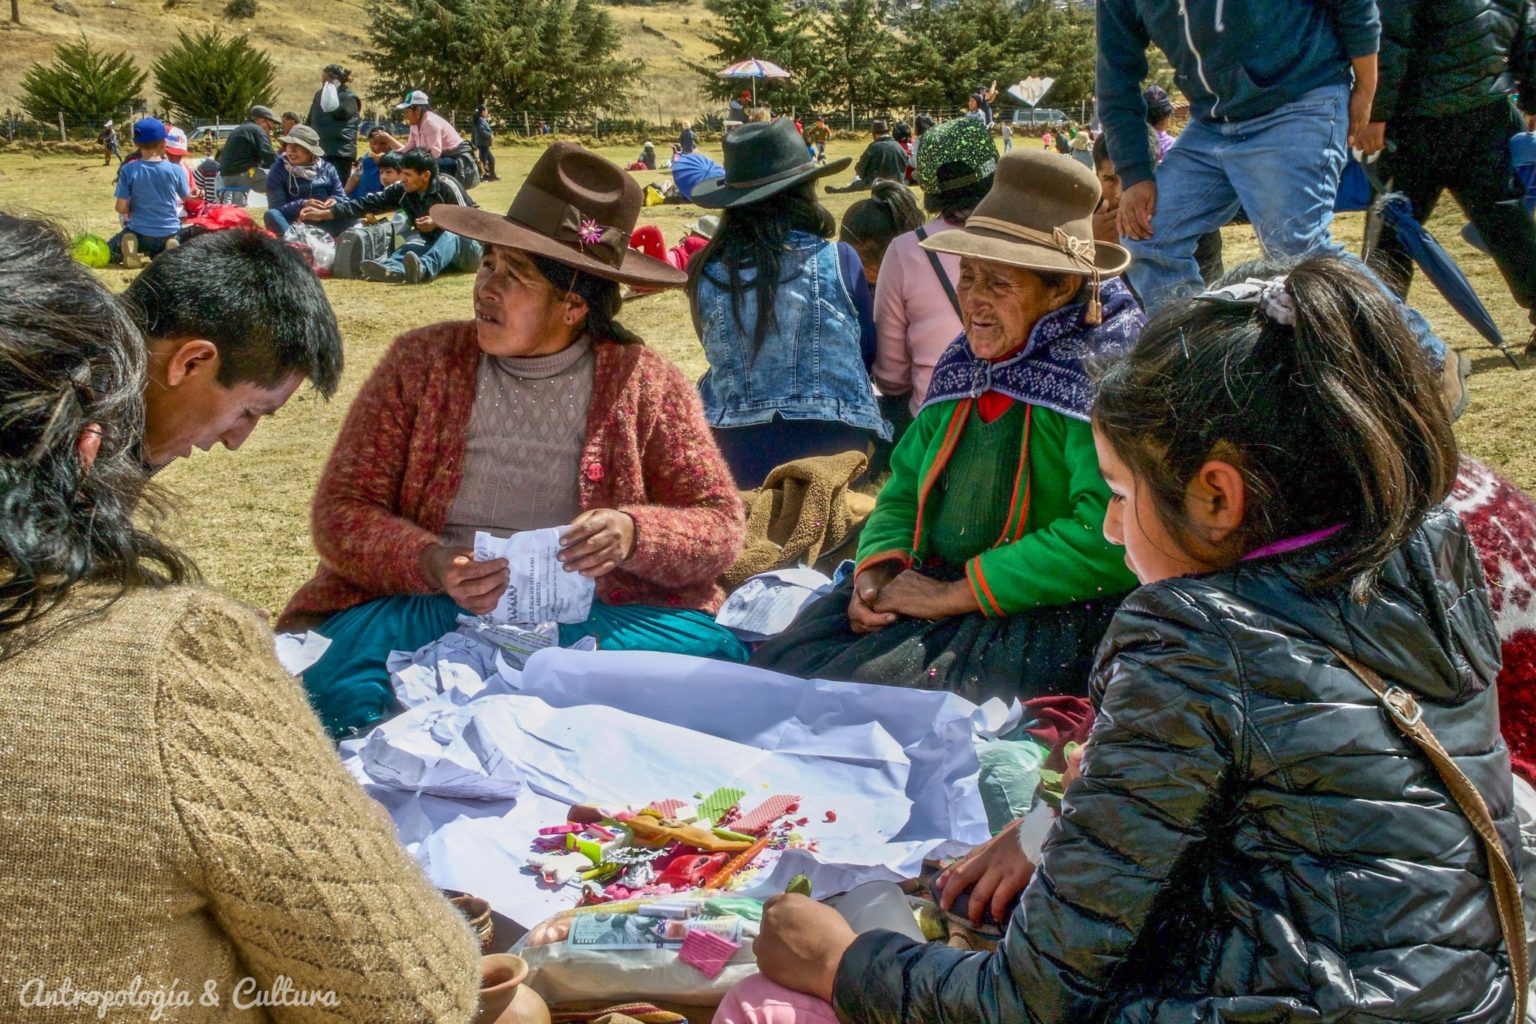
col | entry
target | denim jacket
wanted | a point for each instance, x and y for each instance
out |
(810, 366)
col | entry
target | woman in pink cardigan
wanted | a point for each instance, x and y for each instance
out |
(539, 412)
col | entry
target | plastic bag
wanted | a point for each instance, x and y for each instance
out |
(630, 950)
(321, 246)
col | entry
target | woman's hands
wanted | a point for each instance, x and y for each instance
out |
(881, 595)
(597, 541)
(474, 586)
(994, 874)
(867, 586)
(800, 944)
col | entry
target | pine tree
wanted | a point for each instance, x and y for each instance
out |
(544, 55)
(856, 61)
(85, 83)
(954, 48)
(767, 30)
(209, 75)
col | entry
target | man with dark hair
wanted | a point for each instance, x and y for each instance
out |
(882, 158)
(234, 322)
(1448, 71)
(421, 187)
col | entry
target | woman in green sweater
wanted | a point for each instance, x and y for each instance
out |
(983, 568)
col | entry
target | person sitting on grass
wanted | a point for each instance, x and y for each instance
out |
(540, 412)
(421, 187)
(883, 158)
(234, 322)
(983, 568)
(149, 194)
(430, 131)
(365, 178)
(200, 826)
(1252, 835)
(300, 176)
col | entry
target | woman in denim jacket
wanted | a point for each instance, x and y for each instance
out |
(784, 314)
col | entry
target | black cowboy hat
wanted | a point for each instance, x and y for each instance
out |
(762, 159)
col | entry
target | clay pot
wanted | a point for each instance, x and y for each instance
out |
(504, 999)
(477, 912)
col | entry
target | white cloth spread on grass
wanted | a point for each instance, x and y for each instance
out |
(896, 767)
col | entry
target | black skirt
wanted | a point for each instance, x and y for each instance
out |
(1034, 653)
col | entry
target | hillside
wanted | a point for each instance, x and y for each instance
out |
(303, 37)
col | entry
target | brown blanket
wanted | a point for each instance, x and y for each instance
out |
(805, 513)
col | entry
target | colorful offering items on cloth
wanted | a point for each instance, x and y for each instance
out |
(619, 855)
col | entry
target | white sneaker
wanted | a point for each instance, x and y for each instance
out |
(131, 258)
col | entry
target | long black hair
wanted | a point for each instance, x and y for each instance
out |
(756, 237)
(601, 295)
(1337, 419)
(70, 356)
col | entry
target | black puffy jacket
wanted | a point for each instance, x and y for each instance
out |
(1251, 839)
(1444, 57)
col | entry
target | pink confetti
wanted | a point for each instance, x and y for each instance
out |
(766, 813)
(707, 951)
(668, 808)
(831, 816)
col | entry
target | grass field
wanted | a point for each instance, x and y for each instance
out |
(244, 516)
(302, 38)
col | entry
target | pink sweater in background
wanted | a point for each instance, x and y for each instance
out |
(914, 319)
(434, 133)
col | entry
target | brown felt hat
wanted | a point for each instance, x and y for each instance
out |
(1037, 215)
(576, 208)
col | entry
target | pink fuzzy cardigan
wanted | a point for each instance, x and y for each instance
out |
(386, 492)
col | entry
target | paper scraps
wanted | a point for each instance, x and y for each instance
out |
(539, 589)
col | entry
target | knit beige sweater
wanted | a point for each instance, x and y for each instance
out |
(173, 822)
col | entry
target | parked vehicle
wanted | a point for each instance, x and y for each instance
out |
(198, 139)
(1039, 116)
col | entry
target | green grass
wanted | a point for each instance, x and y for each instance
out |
(244, 516)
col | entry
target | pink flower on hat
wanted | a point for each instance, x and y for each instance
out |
(591, 232)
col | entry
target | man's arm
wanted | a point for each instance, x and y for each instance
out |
(1120, 69)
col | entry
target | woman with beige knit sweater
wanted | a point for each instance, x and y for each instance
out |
(177, 834)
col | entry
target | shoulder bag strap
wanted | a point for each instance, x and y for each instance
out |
(1404, 711)
(938, 269)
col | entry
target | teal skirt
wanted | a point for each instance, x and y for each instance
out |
(349, 686)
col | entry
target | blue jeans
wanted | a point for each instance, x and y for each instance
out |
(446, 252)
(1282, 169)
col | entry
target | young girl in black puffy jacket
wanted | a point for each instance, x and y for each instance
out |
(1251, 838)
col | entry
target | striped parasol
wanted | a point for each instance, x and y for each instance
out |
(754, 69)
